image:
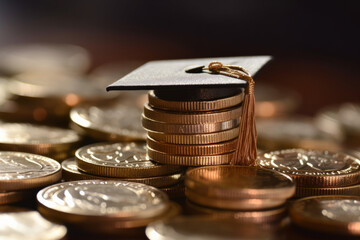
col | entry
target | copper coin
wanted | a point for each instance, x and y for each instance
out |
(237, 182)
(330, 214)
(314, 168)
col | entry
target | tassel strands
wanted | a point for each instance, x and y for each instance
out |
(246, 151)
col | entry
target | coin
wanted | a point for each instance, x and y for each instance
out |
(206, 138)
(192, 118)
(353, 190)
(36, 139)
(201, 228)
(100, 202)
(330, 214)
(314, 168)
(191, 150)
(29, 225)
(262, 216)
(58, 58)
(16, 196)
(239, 182)
(120, 160)
(116, 123)
(164, 127)
(72, 173)
(57, 90)
(175, 192)
(20, 171)
(328, 121)
(194, 106)
(165, 158)
(271, 102)
(293, 132)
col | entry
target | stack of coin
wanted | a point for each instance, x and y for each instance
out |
(48, 97)
(328, 214)
(119, 122)
(108, 207)
(238, 188)
(53, 142)
(126, 162)
(192, 133)
(293, 132)
(316, 172)
(21, 174)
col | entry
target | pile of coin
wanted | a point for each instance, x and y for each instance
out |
(192, 133)
(316, 172)
(125, 162)
(22, 174)
(53, 142)
(249, 193)
(107, 207)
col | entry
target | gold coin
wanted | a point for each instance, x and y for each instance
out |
(72, 173)
(29, 225)
(192, 118)
(353, 190)
(330, 214)
(37, 139)
(19, 171)
(100, 203)
(17, 196)
(191, 150)
(314, 168)
(164, 158)
(293, 132)
(206, 138)
(261, 216)
(164, 127)
(175, 192)
(238, 182)
(115, 123)
(122, 160)
(194, 106)
(233, 204)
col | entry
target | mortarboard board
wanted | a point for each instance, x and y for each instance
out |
(199, 80)
(170, 80)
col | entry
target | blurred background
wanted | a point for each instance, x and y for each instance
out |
(315, 43)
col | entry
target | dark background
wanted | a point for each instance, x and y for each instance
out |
(315, 43)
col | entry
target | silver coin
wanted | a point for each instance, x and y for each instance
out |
(309, 162)
(22, 133)
(117, 122)
(25, 170)
(104, 198)
(29, 225)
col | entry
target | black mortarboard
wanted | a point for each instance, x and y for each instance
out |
(171, 80)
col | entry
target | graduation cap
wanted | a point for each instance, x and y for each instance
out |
(204, 79)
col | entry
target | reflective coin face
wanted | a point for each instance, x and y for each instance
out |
(126, 155)
(29, 225)
(120, 120)
(236, 181)
(199, 228)
(25, 166)
(309, 162)
(329, 213)
(17, 133)
(104, 198)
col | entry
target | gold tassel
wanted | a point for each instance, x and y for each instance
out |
(246, 152)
